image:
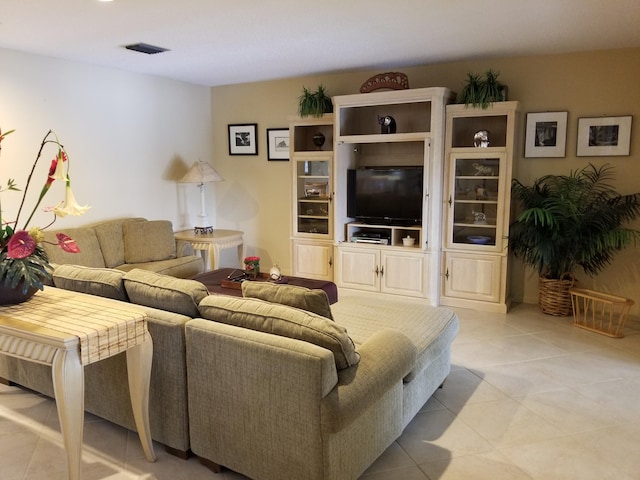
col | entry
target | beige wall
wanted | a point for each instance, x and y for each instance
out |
(256, 197)
(129, 137)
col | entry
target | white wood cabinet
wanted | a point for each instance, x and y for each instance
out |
(391, 271)
(473, 277)
(311, 152)
(418, 140)
(477, 206)
(313, 259)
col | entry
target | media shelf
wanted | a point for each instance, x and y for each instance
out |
(390, 235)
(378, 260)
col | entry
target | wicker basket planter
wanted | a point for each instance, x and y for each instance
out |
(554, 297)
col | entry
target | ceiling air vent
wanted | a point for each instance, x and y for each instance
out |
(145, 48)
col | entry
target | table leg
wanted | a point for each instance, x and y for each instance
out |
(214, 255)
(241, 254)
(139, 360)
(68, 387)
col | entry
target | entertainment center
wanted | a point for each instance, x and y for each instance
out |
(373, 204)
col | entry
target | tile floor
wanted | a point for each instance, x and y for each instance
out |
(529, 397)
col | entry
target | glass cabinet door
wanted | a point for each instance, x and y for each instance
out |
(313, 195)
(475, 209)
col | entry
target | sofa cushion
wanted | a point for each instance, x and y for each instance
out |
(315, 301)
(181, 267)
(109, 235)
(282, 320)
(148, 241)
(103, 282)
(89, 255)
(176, 295)
(431, 329)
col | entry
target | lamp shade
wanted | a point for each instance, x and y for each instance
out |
(201, 172)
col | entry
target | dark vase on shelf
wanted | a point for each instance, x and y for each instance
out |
(318, 140)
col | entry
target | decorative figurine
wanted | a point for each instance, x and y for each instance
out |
(482, 170)
(481, 139)
(387, 124)
(479, 218)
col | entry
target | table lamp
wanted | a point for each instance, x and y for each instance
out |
(202, 173)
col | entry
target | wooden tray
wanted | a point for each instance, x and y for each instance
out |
(237, 284)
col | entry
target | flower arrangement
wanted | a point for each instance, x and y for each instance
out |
(23, 261)
(252, 266)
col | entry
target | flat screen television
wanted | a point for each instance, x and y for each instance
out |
(385, 195)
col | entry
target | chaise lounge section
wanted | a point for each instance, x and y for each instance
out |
(278, 392)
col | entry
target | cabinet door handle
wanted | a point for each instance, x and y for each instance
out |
(377, 271)
(450, 200)
(331, 261)
(382, 271)
(446, 275)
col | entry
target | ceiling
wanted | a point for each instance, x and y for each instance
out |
(216, 42)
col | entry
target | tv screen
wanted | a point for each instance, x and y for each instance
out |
(385, 194)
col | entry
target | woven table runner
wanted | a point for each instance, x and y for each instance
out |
(102, 326)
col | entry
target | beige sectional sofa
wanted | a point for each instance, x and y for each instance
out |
(278, 385)
(125, 244)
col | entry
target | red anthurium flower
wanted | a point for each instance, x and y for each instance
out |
(67, 243)
(21, 245)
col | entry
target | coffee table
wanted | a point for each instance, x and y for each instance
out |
(216, 280)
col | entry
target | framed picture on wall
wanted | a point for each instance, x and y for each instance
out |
(243, 139)
(608, 136)
(278, 144)
(546, 134)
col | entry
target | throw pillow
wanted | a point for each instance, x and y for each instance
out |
(103, 282)
(282, 320)
(89, 255)
(109, 235)
(177, 295)
(148, 241)
(315, 301)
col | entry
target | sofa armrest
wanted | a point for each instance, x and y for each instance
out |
(385, 359)
(184, 248)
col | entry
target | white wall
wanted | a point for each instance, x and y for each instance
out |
(129, 138)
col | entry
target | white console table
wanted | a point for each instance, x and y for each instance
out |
(69, 330)
(210, 244)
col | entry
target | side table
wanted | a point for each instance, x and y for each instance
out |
(69, 330)
(210, 244)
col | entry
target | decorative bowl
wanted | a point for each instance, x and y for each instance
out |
(479, 239)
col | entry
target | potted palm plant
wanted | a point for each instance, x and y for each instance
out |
(570, 222)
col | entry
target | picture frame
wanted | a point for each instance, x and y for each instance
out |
(278, 144)
(608, 136)
(243, 139)
(546, 135)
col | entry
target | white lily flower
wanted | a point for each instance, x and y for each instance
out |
(69, 206)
